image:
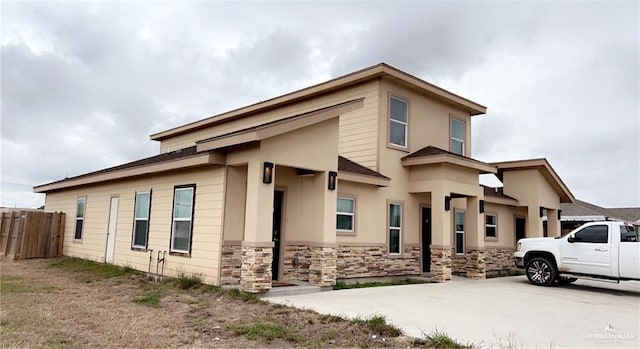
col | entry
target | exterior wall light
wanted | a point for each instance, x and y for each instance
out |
(447, 203)
(267, 172)
(331, 185)
(541, 211)
(559, 214)
(481, 206)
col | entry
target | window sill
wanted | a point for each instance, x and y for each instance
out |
(139, 248)
(491, 238)
(77, 241)
(180, 254)
(398, 147)
(345, 233)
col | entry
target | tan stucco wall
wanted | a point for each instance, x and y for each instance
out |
(205, 254)
(530, 187)
(358, 129)
(372, 214)
(429, 119)
(506, 225)
(235, 194)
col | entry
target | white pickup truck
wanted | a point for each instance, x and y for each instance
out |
(601, 250)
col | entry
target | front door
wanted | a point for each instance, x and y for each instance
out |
(278, 197)
(425, 216)
(520, 223)
(111, 230)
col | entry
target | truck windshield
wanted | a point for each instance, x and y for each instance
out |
(628, 234)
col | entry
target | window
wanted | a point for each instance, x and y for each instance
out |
(80, 207)
(398, 121)
(182, 226)
(345, 215)
(141, 220)
(458, 131)
(628, 234)
(395, 228)
(459, 232)
(490, 226)
(595, 234)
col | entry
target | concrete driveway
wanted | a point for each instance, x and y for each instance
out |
(496, 312)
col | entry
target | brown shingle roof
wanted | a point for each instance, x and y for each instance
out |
(347, 165)
(496, 192)
(344, 164)
(174, 155)
(434, 151)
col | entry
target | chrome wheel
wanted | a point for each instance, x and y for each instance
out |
(541, 272)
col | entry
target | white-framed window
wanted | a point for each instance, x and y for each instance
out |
(490, 226)
(141, 220)
(459, 226)
(81, 205)
(346, 214)
(182, 226)
(398, 121)
(395, 228)
(458, 132)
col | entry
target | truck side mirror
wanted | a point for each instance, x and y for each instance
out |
(571, 239)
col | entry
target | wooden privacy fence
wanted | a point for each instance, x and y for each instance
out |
(31, 234)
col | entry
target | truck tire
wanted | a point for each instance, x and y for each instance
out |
(541, 271)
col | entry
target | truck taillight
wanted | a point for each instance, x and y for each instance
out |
(518, 246)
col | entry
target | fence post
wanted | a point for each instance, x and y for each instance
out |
(60, 233)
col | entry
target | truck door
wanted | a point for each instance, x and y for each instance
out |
(588, 251)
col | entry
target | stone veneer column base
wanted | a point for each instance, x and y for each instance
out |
(231, 265)
(322, 270)
(255, 274)
(440, 264)
(476, 264)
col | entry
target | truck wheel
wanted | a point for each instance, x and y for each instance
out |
(565, 280)
(541, 271)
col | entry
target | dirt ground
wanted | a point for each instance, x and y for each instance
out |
(46, 306)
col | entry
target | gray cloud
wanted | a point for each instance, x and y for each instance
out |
(560, 79)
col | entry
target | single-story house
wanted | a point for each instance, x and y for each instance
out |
(580, 212)
(366, 175)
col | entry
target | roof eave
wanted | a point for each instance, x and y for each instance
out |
(188, 162)
(341, 82)
(482, 168)
(361, 178)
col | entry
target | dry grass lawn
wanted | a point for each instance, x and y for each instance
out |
(69, 303)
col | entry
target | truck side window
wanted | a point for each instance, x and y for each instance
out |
(595, 234)
(627, 234)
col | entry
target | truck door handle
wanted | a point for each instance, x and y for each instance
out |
(599, 249)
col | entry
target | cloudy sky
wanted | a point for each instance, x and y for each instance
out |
(84, 84)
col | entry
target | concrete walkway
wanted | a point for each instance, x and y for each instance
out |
(506, 312)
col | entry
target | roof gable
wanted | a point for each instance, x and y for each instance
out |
(345, 81)
(543, 166)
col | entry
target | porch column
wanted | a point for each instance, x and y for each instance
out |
(475, 252)
(257, 246)
(553, 223)
(534, 222)
(322, 269)
(441, 250)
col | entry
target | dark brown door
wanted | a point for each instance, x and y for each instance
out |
(520, 228)
(278, 197)
(426, 239)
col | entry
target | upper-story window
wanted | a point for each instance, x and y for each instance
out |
(398, 122)
(457, 136)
